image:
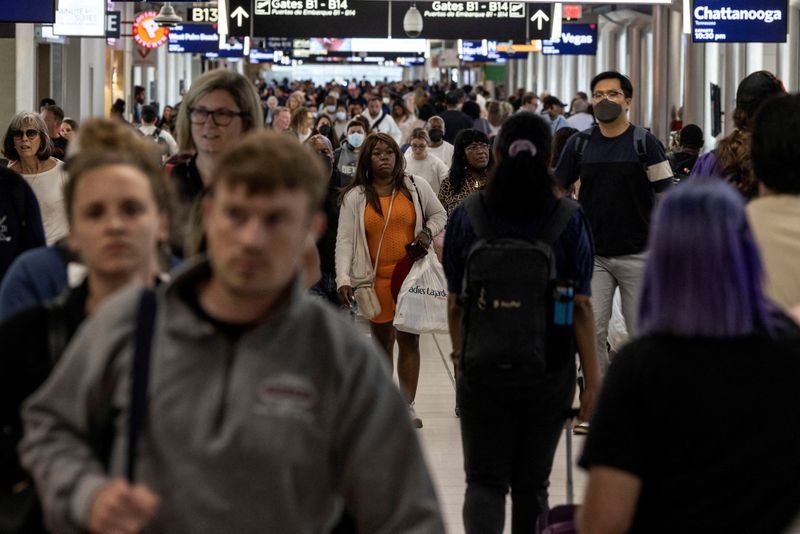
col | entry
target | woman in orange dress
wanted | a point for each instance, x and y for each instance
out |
(382, 189)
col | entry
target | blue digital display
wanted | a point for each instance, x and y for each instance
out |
(486, 51)
(228, 50)
(739, 21)
(575, 40)
(42, 11)
(193, 38)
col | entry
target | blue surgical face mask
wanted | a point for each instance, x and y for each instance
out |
(355, 139)
(331, 109)
(341, 115)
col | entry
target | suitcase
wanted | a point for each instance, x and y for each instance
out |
(561, 519)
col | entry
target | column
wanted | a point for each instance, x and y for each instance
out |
(25, 74)
(161, 75)
(677, 75)
(733, 72)
(694, 84)
(541, 72)
(570, 77)
(662, 73)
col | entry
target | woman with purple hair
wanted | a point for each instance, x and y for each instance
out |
(717, 367)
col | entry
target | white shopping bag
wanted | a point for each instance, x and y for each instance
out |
(422, 301)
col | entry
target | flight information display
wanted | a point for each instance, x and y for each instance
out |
(575, 40)
(193, 38)
(739, 21)
(42, 11)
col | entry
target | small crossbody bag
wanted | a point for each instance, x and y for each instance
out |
(366, 298)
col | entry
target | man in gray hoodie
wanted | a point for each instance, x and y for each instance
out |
(266, 411)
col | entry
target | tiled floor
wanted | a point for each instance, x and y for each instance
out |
(441, 438)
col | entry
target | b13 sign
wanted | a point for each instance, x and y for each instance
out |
(739, 21)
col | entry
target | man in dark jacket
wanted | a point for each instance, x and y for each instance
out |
(20, 219)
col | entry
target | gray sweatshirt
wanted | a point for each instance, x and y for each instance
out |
(273, 433)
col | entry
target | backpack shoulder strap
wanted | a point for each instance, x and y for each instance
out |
(581, 142)
(640, 144)
(478, 216)
(562, 213)
(378, 122)
(140, 375)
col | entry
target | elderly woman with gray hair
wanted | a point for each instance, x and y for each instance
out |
(29, 150)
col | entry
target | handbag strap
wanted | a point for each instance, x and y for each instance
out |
(380, 243)
(140, 375)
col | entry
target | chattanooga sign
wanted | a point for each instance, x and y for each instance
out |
(739, 21)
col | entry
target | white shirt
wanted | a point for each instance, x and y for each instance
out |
(581, 121)
(407, 126)
(48, 187)
(150, 129)
(431, 169)
(387, 126)
(444, 152)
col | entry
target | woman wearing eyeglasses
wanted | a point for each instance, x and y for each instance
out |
(219, 109)
(420, 163)
(471, 162)
(29, 148)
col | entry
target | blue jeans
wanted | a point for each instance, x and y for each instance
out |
(510, 436)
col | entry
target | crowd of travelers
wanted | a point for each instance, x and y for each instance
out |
(182, 295)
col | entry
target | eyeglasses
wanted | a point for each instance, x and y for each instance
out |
(221, 117)
(611, 95)
(418, 146)
(30, 134)
(477, 147)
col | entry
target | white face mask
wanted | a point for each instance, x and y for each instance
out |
(386, 99)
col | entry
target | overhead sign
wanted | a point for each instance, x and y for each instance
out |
(572, 11)
(331, 18)
(80, 18)
(202, 14)
(535, 46)
(229, 50)
(484, 51)
(739, 21)
(42, 11)
(541, 22)
(239, 12)
(502, 21)
(147, 33)
(575, 40)
(113, 21)
(193, 38)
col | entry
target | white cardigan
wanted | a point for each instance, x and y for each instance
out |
(353, 264)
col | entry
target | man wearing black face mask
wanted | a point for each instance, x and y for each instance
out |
(438, 147)
(622, 169)
(326, 245)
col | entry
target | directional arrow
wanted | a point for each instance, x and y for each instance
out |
(240, 12)
(540, 17)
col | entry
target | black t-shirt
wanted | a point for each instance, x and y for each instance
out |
(617, 189)
(190, 294)
(454, 122)
(708, 425)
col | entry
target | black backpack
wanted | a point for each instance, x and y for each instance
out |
(517, 322)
